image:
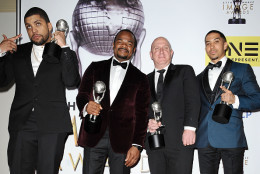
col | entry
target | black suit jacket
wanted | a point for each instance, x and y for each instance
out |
(45, 92)
(180, 103)
(127, 117)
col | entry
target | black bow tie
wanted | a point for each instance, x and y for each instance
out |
(211, 65)
(123, 65)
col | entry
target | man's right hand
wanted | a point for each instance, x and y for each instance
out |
(8, 44)
(93, 108)
(153, 125)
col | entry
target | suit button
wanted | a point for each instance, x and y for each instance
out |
(35, 99)
(210, 109)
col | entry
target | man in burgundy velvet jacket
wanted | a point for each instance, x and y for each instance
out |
(124, 110)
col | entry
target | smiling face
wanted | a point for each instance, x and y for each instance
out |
(39, 31)
(123, 46)
(215, 47)
(161, 53)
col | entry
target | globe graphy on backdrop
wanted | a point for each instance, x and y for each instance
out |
(96, 22)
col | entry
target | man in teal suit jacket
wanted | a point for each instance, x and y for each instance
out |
(216, 141)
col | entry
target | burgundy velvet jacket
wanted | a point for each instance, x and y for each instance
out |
(127, 117)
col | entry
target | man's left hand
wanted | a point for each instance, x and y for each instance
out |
(188, 137)
(132, 156)
(227, 96)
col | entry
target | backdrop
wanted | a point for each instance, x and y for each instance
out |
(93, 24)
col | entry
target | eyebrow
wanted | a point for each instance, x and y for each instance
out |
(38, 20)
(218, 38)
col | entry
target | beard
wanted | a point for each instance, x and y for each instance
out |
(123, 57)
(42, 41)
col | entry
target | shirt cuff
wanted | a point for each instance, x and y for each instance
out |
(65, 46)
(189, 128)
(136, 145)
(84, 112)
(236, 104)
(2, 54)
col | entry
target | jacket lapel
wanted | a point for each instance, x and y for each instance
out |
(27, 57)
(205, 84)
(152, 86)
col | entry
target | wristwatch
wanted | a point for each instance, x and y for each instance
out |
(140, 148)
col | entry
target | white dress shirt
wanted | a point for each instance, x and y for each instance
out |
(36, 57)
(213, 75)
(156, 78)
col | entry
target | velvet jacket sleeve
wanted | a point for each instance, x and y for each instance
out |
(6, 70)
(70, 70)
(85, 89)
(141, 111)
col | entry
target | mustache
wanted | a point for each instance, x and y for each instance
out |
(123, 49)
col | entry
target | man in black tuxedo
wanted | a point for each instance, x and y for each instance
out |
(123, 110)
(39, 120)
(180, 102)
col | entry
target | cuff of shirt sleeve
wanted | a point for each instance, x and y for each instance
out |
(236, 104)
(189, 128)
(2, 54)
(84, 112)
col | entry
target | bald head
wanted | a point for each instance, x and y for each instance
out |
(161, 52)
(161, 38)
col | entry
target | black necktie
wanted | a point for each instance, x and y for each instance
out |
(160, 84)
(123, 65)
(211, 65)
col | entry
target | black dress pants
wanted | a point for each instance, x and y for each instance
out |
(171, 161)
(30, 150)
(95, 158)
(232, 158)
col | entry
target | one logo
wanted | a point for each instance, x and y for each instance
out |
(237, 10)
(243, 49)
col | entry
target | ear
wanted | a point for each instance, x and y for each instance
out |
(225, 46)
(49, 27)
(172, 53)
(151, 55)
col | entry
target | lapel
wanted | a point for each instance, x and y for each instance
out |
(205, 84)
(27, 50)
(105, 77)
(152, 86)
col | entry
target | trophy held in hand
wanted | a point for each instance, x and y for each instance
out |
(92, 122)
(52, 51)
(156, 140)
(222, 111)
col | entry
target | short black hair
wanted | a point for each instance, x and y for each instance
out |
(37, 11)
(216, 31)
(135, 41)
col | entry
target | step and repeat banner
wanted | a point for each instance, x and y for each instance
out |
(94, 23)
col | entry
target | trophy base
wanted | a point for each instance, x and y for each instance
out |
(92, 127)
(51, 52)
(222, 113)
(156, 141)
(236, 21)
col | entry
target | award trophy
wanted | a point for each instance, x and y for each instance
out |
(156, 140)
(92, 122)
(237, 14)
(222, 111)
(52, 51)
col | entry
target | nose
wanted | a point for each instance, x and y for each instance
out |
(34, 30)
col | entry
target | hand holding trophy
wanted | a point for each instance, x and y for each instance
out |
(156, 140)
(93, 122)
(52, 50)
(222, 111)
